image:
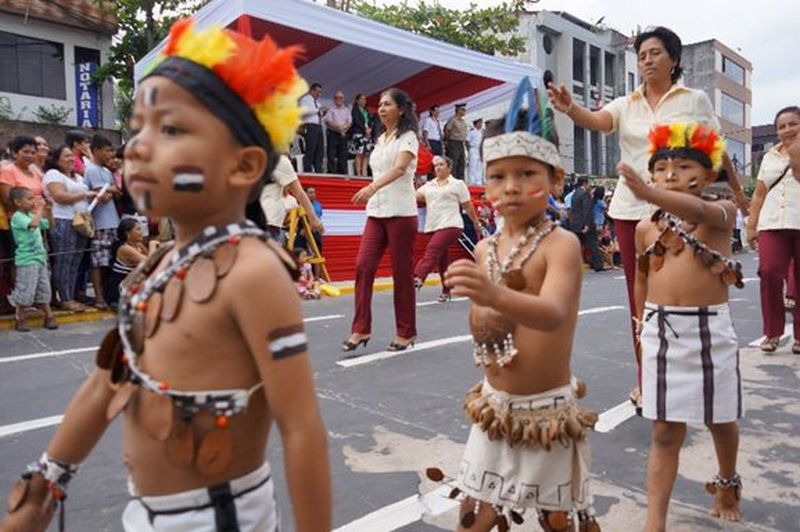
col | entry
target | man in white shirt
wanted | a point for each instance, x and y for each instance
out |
(312, 128)
(337, 121)
(474, 163)
(432, 131)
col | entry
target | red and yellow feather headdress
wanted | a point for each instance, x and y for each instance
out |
(686, 139)
(259, 78)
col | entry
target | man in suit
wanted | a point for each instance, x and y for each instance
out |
(581, 222)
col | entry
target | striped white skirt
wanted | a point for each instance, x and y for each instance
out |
(690, 365)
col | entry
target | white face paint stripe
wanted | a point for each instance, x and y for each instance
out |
(188, 182)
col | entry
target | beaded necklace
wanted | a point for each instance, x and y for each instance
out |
(493, 333)
(675, 238)
(145, 301)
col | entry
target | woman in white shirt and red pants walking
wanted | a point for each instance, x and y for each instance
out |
(391, 222)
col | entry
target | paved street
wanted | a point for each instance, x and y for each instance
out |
(389, 418)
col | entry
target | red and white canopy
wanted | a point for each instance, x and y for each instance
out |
(357, 55)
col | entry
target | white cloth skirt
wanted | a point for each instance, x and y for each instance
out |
(690, 365)
(193, 511)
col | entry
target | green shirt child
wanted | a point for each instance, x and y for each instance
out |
(30, 246)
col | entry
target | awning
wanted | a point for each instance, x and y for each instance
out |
(343, 51)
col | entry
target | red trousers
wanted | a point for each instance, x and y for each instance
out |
(776, 249)
(436, 254)
(398, 234)
(626, 233)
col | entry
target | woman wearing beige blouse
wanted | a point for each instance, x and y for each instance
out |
(444, 197)
(660, 99)
(774, 223)
(391, 222)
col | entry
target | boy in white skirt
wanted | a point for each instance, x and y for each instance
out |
(690, 355)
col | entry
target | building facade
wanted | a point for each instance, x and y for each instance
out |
(597, 64)
(48, 52)
(764, 138)
(725, 77)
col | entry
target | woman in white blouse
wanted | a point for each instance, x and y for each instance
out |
(444, 197)
(660, 99)
(391, 222)
(775, 222)
(69, 195)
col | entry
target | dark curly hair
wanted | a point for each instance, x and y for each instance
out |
(672, 43)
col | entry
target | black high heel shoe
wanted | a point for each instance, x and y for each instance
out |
(397, 346)
(347, 345)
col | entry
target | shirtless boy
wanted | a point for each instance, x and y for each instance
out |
(212, 344)
(690, 355)
(527, 448)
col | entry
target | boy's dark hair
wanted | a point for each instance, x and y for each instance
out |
(52, 158)
(433, 108)
(314, 85)
(74, 136)
(497, 127)
(99, 142)
(408, 118)
(19, 142)
(672, 43)
(18, 193)
(791, 109)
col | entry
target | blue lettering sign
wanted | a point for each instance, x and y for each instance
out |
(87, 107)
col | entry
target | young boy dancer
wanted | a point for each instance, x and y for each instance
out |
(212, 343)
(527, 448)
(690, 356)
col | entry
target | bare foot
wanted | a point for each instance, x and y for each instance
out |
(726, 502)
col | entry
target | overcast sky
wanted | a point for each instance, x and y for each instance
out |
(766, 32)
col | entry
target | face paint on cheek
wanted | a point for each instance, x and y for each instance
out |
(693, 183)
(188, 179)
(150, 96)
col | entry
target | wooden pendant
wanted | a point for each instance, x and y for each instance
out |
(119, 370)
(152, 315)
(468, 519)
(120, 400)
(18, 495)
(667, 237)
(156, 414)
(201, 280)
(729, 276)
(110, 349)
(677, 245)
(435, 474)
(224, 258)
(214, 455)
(707, 258)
(515, 280)
(643, 262)
(180, 446)
(718, 267)
(171, 301)
(657, 262)
(137, 333)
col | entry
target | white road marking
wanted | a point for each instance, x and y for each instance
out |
(404, 512)
(74, 351)
(384, 355)
(787, 333)
(749, 279)
(454, 300)
(619, 277)
(25, 426)
(614, 417)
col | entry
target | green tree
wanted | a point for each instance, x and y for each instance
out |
(491, 30)
(142, 25)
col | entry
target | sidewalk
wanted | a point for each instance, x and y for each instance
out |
(64, 317)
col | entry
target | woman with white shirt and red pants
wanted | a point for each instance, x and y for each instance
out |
(660, 99)
(391, 222)
(443, 197)
(774, 223)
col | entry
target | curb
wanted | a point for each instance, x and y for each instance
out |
(64, 317)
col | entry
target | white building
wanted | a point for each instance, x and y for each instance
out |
(47, 53)
(597, 64)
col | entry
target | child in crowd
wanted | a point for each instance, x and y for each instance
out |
(690, 355)
(32, 285)
(307, 285)
(210, 349)
(130, 250)
(527, 449)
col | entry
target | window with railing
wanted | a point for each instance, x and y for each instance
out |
(32, 66)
